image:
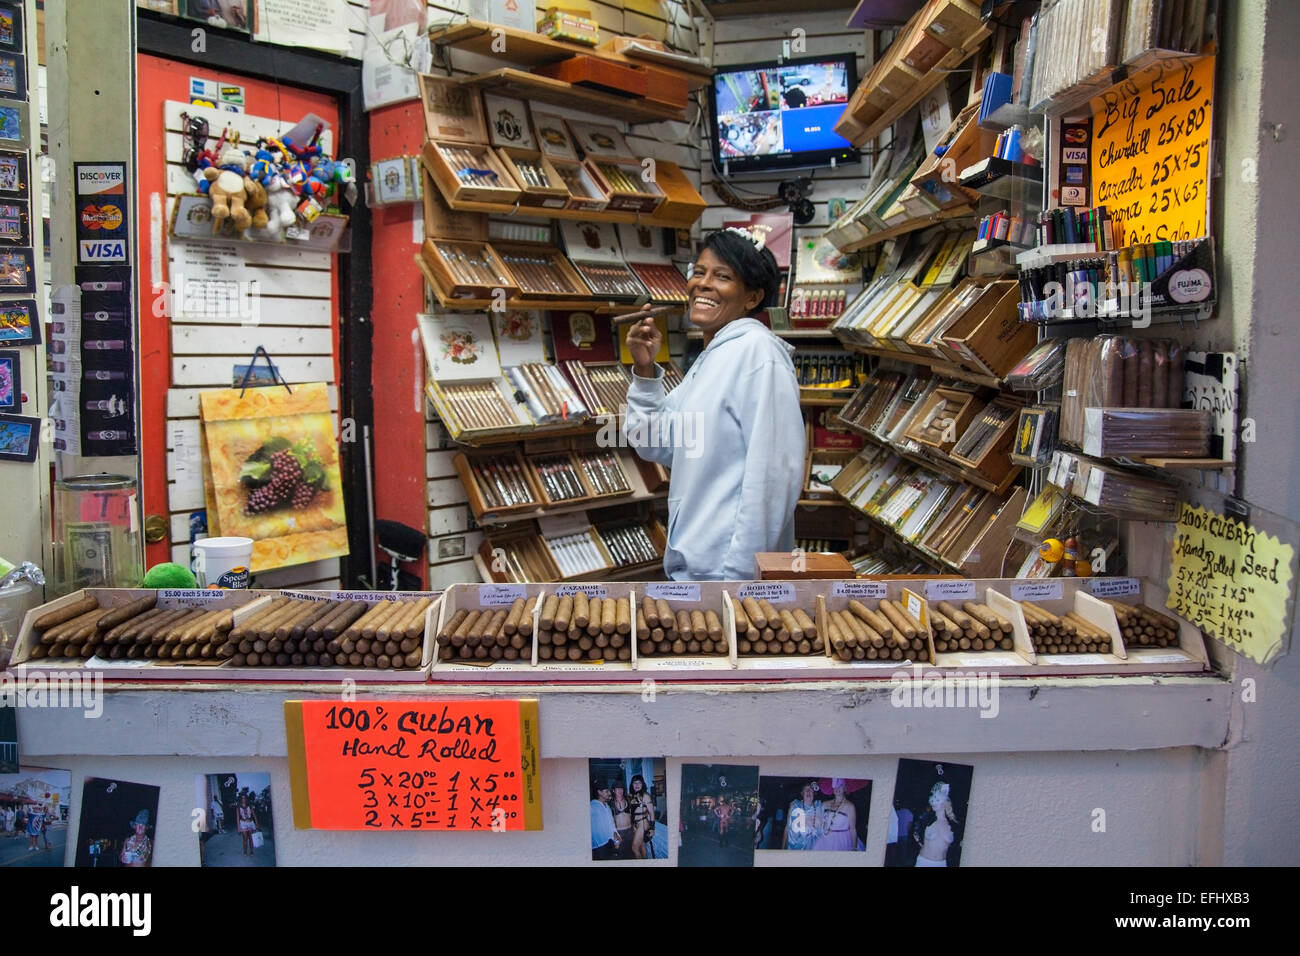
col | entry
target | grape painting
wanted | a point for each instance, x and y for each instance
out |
(280, 475)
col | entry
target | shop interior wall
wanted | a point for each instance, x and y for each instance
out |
(1257, 198)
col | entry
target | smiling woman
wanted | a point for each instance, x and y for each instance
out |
(736, 473)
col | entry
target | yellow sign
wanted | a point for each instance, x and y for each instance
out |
(1231, 580)
(1151, 152)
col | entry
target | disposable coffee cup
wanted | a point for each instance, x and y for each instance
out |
(222, 562)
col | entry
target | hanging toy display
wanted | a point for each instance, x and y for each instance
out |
(273, 191)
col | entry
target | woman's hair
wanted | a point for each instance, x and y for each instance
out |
(756, 268)
(645, 789)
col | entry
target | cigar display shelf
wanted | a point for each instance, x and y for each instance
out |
(585, 301)
(1172, 646)
(540, 183)
(470, 172)
(624, 186)
(244, 606)
(462, 270)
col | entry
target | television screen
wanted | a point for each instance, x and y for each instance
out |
(774, 115)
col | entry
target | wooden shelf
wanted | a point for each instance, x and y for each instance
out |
(1205, 464)
(534, 49)
(637, 497)
(940, 366)
(633, 572)
(780, 333)
(911, 225)
(543, 89)
(829, 397)
(605, 215)
(588, 304)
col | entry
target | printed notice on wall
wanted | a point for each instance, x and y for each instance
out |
(316, 24)
(414, 765)
(1151, 151)
(1232, 580)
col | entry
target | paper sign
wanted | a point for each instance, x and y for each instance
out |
(860, 589)
(181, 597)
(414, 765)
(1151, 152)
(1231, 580)
(501, 595)
(673, 591)
(774, 591)
(103, 213)
(1037, 590)
(916, 607)
(591, 590)
(1113, 587)
(950, 590)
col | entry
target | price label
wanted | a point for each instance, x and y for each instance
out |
(319, 596)
(591, 590)
(414, 765)
(1113, 587)
(778, 592)
(950, 590)
(860, 589)
(1232, 580)
(916, 607)
(188, 597)
(1037, 590)
(1151, 152)
(501, 595)
(673, 591)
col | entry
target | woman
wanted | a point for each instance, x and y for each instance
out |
(732, 431)
(35, 826)
(839, 830)
(138, 848)
(723, 812)
(803, 822)
(246, 823)
(934, 828)
(621, 807)
(643, 818)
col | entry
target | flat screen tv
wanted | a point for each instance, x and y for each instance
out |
(782, 115)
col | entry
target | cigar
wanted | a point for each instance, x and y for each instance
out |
(122, 614)
(641, 315)
(64, 614)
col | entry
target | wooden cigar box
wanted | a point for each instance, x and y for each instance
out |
(784, 566)
(598, 74)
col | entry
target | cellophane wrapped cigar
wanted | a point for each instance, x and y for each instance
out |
(584, 628)
(666, 628)
(1063, 634)
(786, 631)
(971, 627)
(483, 635)
(1143, 626)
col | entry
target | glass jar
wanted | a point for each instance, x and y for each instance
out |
(96, 533)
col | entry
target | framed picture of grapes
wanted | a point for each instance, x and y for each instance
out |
(271, 472)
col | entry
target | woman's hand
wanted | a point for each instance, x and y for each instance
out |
(643, 341)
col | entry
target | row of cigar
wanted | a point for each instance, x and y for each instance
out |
(135, 631)
(762, 628)
(626, 179)
(489, 634)
(888, 633)
(665, 283)
(1063, 634)
(548, 393)
(538, 272)
(286, 632)
(292, 632)
(610, 279)
(972, 627)
(479, 406)
(1144, 626)
(577, 627)
(662, 631)
(602, 385)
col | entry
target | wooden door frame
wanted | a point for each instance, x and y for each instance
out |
(320, 72)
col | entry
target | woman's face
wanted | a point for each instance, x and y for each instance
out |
(139, 828)
(717, 294)
(807, 793)
(637, 785)
(937, 801)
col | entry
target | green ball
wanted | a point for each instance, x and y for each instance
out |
(169, 575)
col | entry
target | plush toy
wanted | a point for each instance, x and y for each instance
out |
(256, 203)
(265, 166)
(280, 202)
(169, 575)
(226, 186)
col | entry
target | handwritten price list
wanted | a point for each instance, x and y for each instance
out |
(1231, 580)
(405, 765)
(1151, 151)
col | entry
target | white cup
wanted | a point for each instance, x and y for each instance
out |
(223, 562)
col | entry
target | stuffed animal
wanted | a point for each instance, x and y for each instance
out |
(226, 187)
(256, 203)
(266, 164)
(280, 202)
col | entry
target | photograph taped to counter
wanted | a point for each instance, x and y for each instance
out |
(629, 808)
(718, 804)
(117, 823)
(931, 806)
(237, 813)
(35, 808)
(812, 812)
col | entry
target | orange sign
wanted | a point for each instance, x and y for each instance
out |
(1151, 151)
(414, 765)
